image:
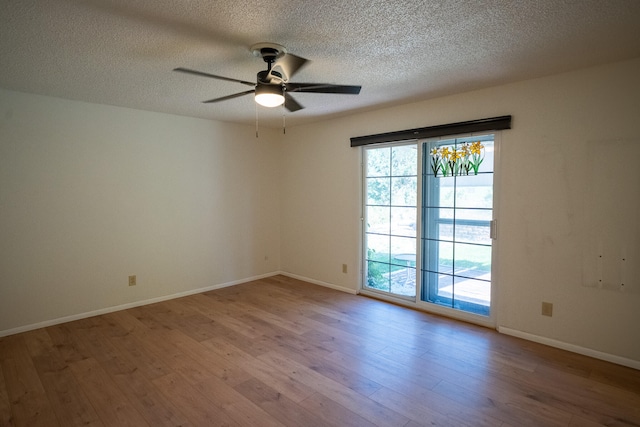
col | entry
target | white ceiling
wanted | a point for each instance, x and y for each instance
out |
(122, 52)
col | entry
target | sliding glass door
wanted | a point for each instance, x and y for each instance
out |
(391, 187)
(431, 240)
(457, 215)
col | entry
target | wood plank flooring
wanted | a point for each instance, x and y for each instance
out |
(281, 352)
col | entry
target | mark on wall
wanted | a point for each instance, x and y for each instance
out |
(611, 253)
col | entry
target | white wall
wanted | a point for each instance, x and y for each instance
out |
(90, 194)
(555, 202)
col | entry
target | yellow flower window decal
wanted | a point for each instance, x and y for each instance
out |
(451, 160)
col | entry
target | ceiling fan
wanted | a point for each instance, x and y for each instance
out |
(272, 87)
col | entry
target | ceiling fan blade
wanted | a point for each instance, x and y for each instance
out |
(200, 73)
(289, 64)
(291, 104)
(224, 98)
(323, 88)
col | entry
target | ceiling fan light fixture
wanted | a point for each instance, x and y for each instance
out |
(269, 95)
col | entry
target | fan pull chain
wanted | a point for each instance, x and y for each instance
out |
(284, 124)
(256, 119)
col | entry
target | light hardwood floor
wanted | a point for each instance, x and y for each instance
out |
(283, 352)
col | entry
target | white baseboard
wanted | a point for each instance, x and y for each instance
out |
(635, 364)
(106, 310)
(318, 282)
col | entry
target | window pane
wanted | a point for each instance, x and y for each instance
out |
(378, 275)
(444, 290)
(473, 226)
(445, 231)
(439, 224)
(474, 191)
(486, 164)
(472, 291)
(439, 256)
(473, 261)
(445, 189)
(403, 222)
(404, 191)
(379, 162)
(378, 191)
(404, 281)
(404, 160)
(378, 247)
(378, 219)
(478, 234)
(402, 246)
(446, 214)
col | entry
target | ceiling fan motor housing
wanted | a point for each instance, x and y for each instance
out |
(269, 55)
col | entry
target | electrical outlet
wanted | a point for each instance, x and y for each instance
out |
(547, 309)
(344, 268)
(132, 280)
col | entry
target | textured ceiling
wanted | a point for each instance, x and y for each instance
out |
(122, 52)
